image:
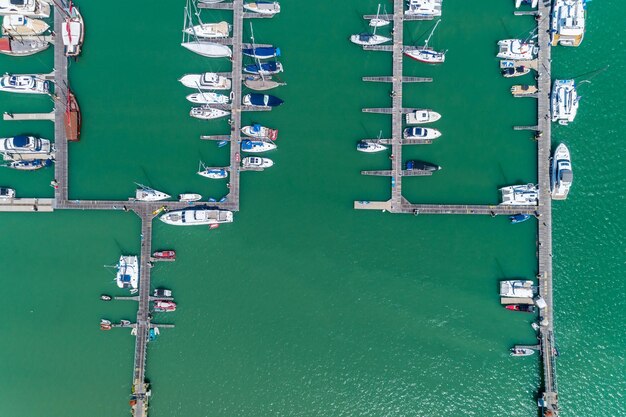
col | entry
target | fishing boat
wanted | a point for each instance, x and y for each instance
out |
(370, 147)
(263, 7)
(127, 272)
(18, 25)
(259, 132)
(22, 46)
(212, 173)
(73, 119)
(189, 198)
(567, 25)
(25, 145)
(520, 195)
(32, 8)
(261, 83)
(164, 254)
(265, 68)
(197, 217)
(206, 81)
(421, 166)
(525, 308)
(514, 71)
(564, 101)
(262, 52)
(30, 165)
(261, 100)
(144, 193)
(378, 22)
(256, 162)
(206, 113)
(521, 352)
(422, 116)
(210, 30)
(425, 133)
(73, 31)
(519, 218)
(208, 98)
(162, 292)
(517, 49)
(6, 193)
(208, 49)
(517, 288)
(427, 9)
(562, 175)
(164, 306)
(425, 53)
(24, 84)
(257, 146)
(106, 297)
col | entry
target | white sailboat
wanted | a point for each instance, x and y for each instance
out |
(425, 53)
(207, 49)
(212, 173)
(378, 21)
(364, 39)
(206, 113)
(144, 193)
(207, 30)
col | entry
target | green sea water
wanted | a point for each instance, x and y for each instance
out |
(303, 306)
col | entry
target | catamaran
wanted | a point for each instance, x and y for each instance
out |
(127, 272)
(568, 22)
(197, 217)
(260, 132)
(428, 9)
(144, 193)
(256, 162)
(18, 25)
(25, 84)
(263, 7)
(257, 146)
(425, 133)
(32, 8)
(422, 116)
(516, 49)
(564, 101)
(520, 195)
(207, 113)
(561, 170)
(206, 81)
(22, 46)
(73, 31)
(425, 53)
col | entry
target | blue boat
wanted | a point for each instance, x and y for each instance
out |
(266, 68)
(264, 100)
(257, 146)
(222, 143)
(519, 218)
(262, 52)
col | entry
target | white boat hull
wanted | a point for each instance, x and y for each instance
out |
(187, 198)
(210, 30)
(206, 81)
(422, 117)
(197, 217)
(207, 113)
(208, 49)
(207, 98)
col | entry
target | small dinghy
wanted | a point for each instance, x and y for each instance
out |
(188, 198)
(421, 133)
(18, 25)
(256, 162)
(144, 193)
(22, 46)
(208, 98)
(265, 68)
(206, 81)
(261, 100)
(210, 30)
(260, 132)
(262, 52)
(106, 297)
(162, 292)
(208, 49)
(207, 113)
(124, 323)
(257, 146)
(259, 83)
(521, 352)
(370, 147)
(263, 7)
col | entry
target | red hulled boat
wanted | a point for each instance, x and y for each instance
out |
(521, 307)
(164, 254)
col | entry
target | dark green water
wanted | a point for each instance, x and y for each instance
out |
(304, 307)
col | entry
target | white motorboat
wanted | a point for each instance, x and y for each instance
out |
(73, 32)
(422, 116)
(517, 288)
(257, 146)
(206, 81)
(427, 9)
(212, 173)
(516, 49)
(25, 84)
(210, 30)
(208, 49)
(561, 170)
(259, 132)
(197, 217)
(425, 53)
(127, 272)
(520, 195)
(18, 25)
(25, 145)
(564, 101)
(144, 193)
(521, 352)
(263, 7)
(208, 98)
(207, 113)
(22, 46)
(370, 146)
(567, 26)
(256, 162)
(6, 193)
(190, 197)
(425, 133)
(31, 8)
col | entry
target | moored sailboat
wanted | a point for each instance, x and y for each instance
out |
(144, 193)
(207, 113)
(425, 53)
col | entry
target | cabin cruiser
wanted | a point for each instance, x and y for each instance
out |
(6, 193)
(29, 165)
(210, 30)
(73, 32)
(421, 133)
(265, 68)
(162, 292)
(127, 272)
(370, 146)
(517, 288)
(567, 25)
(521, 352)
(26, 84)
(164, 306)
(18, 25)
(263, 7)
(561, 170)
(189, 197)
(22, 46)
(144, 193)
(516, 49)
(256, 162)
(260, 132)
(257, 146)
(262, 52)
(208, 49)
(421, 166)
(31, 8)
(261, 100)
(213, 173)
(424, 8)
(208, 98)
(207, 113)
(197, 217)
(421, 116)
(564, 101)
(25, 145)
(206, 81)
(369, 39)
(520, 195)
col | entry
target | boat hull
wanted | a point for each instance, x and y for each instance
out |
(208, 49)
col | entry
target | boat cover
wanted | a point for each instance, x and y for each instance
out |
(20, 141)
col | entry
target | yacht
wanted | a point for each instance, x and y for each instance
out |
(22, 46)
(210, 30)
(31, 8)
(263, 7)
(564, 101)
(30, 165)
(261, 100)
(568, 22)
(208, 98)
(520, 195)
(521, 352)
(208, 49)
(144, 193)
(6, 193)
(260, 132)
(370, 147)
(562, 175)
(516, 49)
(197, 217)
(262, 52)
(207, 113)
(206, 81)
(25, 84)
(189, 197)
(421, 133)
(369, 39)
(421, 166)
(517, 288)
(73, 32)
(257, 146)
(18, 25)
(265, 68)
(25, 145)
(422, 116)
(127, 272)
(427, 9)
(213, 173)
(256, 162)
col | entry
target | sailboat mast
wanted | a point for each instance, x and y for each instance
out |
(431, 33)
(256, 58)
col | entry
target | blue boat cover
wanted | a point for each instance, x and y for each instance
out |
(20, 141)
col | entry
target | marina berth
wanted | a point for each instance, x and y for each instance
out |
(25, 145)
(517, 49)
(18, 25)
(517, 288)
(260, 132)
(261, 100)
(197, 217)
(256, 162)
(422, 116)
(564, 101)
(6, 193)
(567, 24)
(29, 165)
(257, 146)
(31, 8)
(144, 193)
(370, 147)
(208, 49)
(127, 272)
(210, 30)
(520, 195)
(421, 133)
(189, 198)
(206, 81)
(207, 113)
(561, 173)
(265, 68)
(421, 166)
(24, 84)
(22, 46)
(208, 98)
(262, 52)
(73, 32)
(427, 9)
(263, 7)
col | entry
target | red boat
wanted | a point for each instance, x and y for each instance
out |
(164, 254)
(521, 307)
(164, 306)
(72, 118)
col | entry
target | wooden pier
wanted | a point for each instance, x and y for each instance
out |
(29, 116)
